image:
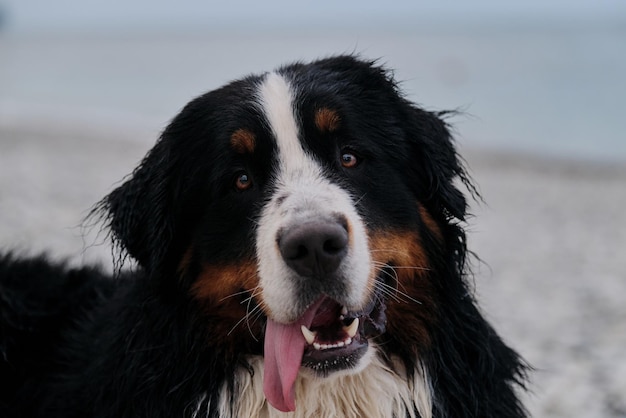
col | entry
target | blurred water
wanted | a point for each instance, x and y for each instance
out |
(558, 90)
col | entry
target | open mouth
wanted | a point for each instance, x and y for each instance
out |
(326, 338)
(338, 338)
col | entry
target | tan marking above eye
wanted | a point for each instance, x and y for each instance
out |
(327, 120)
(243, 141)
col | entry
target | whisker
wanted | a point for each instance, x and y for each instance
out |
(233, 295)
(397, 295)
(254, 221)
(391, 294)
(255, 317)
(254, 312)
(359, 199)
(254, 293)
(387, 289)
(241, 292)
(379, 264)
(395, 292)
(249, 312)
(244, 318)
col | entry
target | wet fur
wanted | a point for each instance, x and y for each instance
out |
(78, 343)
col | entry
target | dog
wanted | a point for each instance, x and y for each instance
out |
(300, 252)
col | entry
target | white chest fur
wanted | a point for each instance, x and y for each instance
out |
(374, 392)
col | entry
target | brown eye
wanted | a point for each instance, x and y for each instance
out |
(349, 160)
(243, 181)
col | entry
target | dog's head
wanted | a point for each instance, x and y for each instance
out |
(312, 208)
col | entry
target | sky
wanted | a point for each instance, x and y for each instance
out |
(29, 15)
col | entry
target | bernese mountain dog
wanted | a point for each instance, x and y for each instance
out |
(299, 248)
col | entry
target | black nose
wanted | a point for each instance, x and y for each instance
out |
(314, 248)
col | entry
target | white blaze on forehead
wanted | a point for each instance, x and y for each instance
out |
(277, 102)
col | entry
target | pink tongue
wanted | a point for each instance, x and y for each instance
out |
(284, 347)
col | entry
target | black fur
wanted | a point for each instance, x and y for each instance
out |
(77, 343)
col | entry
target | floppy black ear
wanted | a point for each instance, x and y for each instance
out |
(140, 212)
(437, 162)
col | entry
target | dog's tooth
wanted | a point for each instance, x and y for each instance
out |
(344, 311)
(352, 328)
(317, 346)
(309, 335)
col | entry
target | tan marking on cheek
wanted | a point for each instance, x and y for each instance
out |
(327, 120)
(243, 141)
(430, 223)
(233, 321)
(411, 306)
(217, 284)
(399, 249)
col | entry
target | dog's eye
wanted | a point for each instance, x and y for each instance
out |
(243, 181)
(348, 159)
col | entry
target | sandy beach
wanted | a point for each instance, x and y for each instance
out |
(550, 235)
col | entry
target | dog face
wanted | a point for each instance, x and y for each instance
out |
(309, 208)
